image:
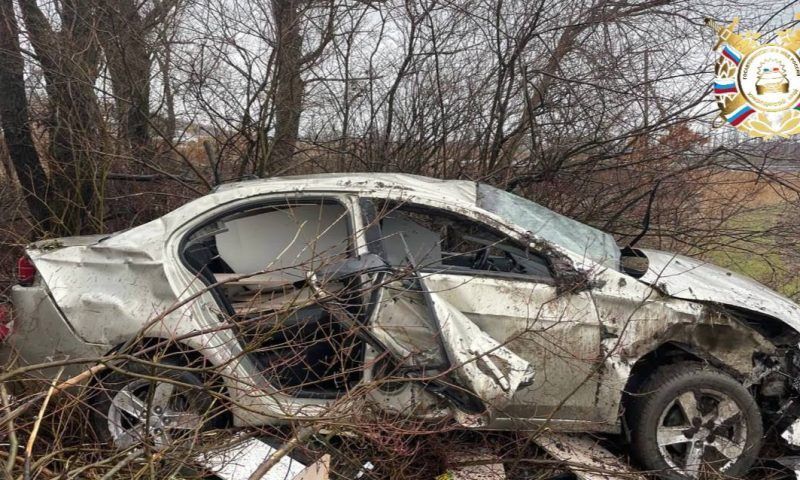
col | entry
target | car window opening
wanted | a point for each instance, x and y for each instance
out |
(548, 225)
(263, 256)
(438, 240)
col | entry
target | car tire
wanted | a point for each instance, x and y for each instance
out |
(688, 419)
(130, 406)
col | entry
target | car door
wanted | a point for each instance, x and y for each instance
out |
(505, 287)
(434, 343)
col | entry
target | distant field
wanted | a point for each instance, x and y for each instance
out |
(762, 236)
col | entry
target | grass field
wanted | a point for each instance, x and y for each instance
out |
(760, 240)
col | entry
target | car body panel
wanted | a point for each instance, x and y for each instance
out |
(481, 362)
(36, 315)
(692, 279)
(556, 333)
(429, 336)
(110, 284)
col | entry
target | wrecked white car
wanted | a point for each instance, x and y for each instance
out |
(452, 298)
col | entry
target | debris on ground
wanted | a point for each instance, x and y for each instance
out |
(585, 456)
(473, 464)
(239, 460)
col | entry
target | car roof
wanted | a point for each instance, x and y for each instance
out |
(459, 191)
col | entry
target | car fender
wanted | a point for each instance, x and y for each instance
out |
(691, 279)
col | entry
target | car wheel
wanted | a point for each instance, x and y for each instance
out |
(688, 421)
(157, 406)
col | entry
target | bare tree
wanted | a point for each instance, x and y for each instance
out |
(15, 121)
(69, 59)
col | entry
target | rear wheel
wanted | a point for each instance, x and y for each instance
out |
(158, 406)
(689, 421)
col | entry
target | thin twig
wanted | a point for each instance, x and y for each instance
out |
(13, 443)
(37, 424)
(128, 459)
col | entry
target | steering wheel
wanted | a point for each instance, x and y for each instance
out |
(481, 261)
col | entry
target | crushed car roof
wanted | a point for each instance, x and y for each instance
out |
(588, 242)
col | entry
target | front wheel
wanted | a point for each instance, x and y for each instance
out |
(158, 406)
(688, 421)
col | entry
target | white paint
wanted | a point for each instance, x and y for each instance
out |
(692, 279)
(482, 364)
(241, 459)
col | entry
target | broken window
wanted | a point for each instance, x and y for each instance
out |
(440, 240)
(262, 256)
(550, 226)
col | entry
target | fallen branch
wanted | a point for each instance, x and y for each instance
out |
(38, 423)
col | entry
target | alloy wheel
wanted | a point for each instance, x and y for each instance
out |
(150, 412)
(701, 430)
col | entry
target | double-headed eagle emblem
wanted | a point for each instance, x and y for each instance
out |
(757, 85)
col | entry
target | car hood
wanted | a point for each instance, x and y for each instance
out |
(691, 279)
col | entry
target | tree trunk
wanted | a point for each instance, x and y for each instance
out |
(289, 88)
(78, 141)
(123, 37)
(15, 122)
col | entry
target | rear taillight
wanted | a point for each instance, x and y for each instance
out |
(26, 271)
(5, 320)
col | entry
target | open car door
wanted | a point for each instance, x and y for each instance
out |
(479, 362)
(432, 341)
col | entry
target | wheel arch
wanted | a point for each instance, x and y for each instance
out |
(738, 362)
(716, 337)
(663, 354)
(155, 349)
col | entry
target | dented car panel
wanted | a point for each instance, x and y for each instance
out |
(638, 320)
(482, 363)
(120, 277)
(561, 332)
(433, 338)
(38, 313)
(692, 279)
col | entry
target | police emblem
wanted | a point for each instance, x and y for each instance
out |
(757, 86)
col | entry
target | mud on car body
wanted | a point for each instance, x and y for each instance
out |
(457, 299)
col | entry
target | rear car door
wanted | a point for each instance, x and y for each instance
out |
(256, 256)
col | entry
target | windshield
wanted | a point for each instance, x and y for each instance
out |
(550, 226)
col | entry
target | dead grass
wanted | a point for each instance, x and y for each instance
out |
(758, 190)
(758, 241)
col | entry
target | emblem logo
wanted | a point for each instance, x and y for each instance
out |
(757, 86)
